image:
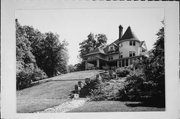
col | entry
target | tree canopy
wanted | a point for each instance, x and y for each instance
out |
(92, 42)
(38, 55)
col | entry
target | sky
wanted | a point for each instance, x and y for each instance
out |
(74, 25)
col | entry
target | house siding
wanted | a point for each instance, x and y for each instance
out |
(125, 48)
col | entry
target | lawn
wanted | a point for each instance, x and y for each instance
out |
(51, 93)
(55, 91)
(115, 106)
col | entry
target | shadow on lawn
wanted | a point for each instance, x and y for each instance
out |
(145, 104)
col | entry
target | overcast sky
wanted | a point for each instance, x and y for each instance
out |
(73, 25)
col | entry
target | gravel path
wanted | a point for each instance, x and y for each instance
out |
(65, 107)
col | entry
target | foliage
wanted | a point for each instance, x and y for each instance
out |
(134, 87)
(148, 84)
(89, 86)
(101, 89)
(26, 67)
(51, 55)
(80, 66)
(91, 43)
(100, 39)
(38, 55)
(108, 91)
(122, 72)
(71, 68)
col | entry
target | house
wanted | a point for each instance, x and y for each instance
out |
(121, 53)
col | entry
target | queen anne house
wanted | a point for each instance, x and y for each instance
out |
(121, 53)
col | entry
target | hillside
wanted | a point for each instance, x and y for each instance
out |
(50, 92)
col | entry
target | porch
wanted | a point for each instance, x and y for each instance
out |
(123, 62)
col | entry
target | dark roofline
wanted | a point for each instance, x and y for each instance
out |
(128, 34)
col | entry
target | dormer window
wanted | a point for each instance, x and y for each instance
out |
(111, 48)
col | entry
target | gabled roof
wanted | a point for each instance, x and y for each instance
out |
(100, 49)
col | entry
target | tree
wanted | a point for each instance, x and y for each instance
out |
(101, 39)
(51, 55)
(38, 55)
(26, 67)
(87, 45)
(91, 43)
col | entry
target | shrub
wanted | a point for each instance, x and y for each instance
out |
(138, 88)
(134, 86)
(104, 89)
(25, 77)
(107, 91)
(97, 95)
(105, 77)
(122, 72)
(38, 74)
(88, 87)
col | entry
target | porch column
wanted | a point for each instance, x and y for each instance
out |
(118, 63)
(97, 61)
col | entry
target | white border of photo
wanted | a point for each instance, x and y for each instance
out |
(8, 56)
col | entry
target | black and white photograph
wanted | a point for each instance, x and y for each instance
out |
(91, 60)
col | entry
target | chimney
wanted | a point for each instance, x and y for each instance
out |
(120, 31)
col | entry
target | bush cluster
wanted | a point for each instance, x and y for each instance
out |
(138, 88)
(101, 88)
(133, 88)
(89, 86)
(25, 76)
(122, 72)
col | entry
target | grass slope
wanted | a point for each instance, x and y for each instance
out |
(51, 93)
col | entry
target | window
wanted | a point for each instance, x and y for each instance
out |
(110, 57)
(120, 55)
(132, 53)
(132, 43)
(126, 62)
(111, 48)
